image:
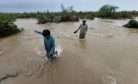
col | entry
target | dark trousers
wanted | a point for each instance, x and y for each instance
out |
(50, 57)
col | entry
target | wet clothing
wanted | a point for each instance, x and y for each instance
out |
(82, 35)
(83, 29)
(49, 43)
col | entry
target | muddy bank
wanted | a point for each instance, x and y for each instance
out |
(108, 55)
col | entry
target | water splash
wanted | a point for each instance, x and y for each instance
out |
(109, 80)
(109, 35)
(58, 51)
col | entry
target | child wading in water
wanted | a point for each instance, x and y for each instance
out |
(49, 43)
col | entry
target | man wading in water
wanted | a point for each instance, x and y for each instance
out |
(49, 43)
(83, 29)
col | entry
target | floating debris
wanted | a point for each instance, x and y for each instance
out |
(6, 76)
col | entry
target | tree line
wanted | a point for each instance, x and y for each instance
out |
(68, 14)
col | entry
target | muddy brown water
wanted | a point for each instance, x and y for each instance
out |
(108, 55)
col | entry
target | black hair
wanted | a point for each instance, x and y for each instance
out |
(46, 32)
(83, 20)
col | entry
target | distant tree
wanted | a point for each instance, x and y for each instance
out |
(68, 9)
(68, 14)
(107, 10)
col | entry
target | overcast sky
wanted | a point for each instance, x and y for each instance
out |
(54, 5)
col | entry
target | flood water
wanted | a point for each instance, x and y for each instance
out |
(108, 55)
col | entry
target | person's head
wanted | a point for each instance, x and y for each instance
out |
(46, 32)
(84, 22)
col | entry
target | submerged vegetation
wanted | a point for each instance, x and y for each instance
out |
(7, 27)
(132, 24)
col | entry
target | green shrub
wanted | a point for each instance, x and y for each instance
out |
(7, 27)
(42, 19)
(56, 19)
(107, 11)
(91, 17)
(67, 15)
(132, 24)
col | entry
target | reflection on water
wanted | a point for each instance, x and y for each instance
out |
(82, 43)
